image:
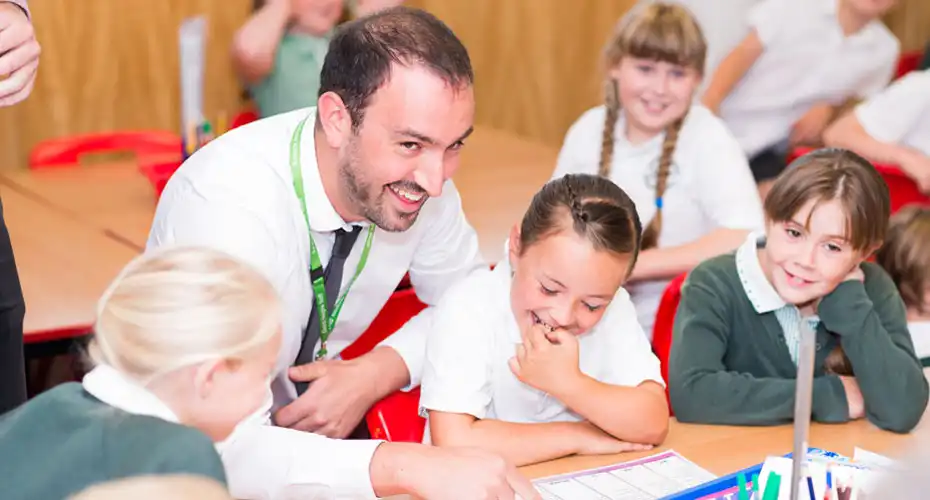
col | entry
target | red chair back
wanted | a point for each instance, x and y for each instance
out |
(901, 188)
(66, 151)
(243, 117)
(664, 323)
(402, 306)
(909, 61)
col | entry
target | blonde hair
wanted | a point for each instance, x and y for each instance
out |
(182, 306)
(174, 486)
(906, 254)
(661, 32)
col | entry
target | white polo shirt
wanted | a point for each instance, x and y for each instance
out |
(476, 334)
(236, 195)
(710, 185)
(900, 114)
(806, 60)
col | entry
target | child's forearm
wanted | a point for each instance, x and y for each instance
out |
(847, 132)
(632, 414)
(666, 263)
(256, 42)
(517, 442)
(731, 70)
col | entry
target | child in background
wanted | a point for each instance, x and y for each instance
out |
(687, 174)
(906, 257)
(892, 127)
(185, 342)
(543, 357)
(279, 51)
(802, 61)
(735, 348)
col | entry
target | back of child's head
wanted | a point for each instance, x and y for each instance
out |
(656, 31)
(178, 307)
(592, 207)
(172, 486)
(834, 174)
(906, 255)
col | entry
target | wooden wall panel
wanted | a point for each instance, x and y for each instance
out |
(113, 64)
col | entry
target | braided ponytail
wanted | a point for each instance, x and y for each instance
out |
(651, 234)
(612, 103)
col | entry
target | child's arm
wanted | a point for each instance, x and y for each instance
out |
(523, 443)
(731, 70)
(704, 390)
(256, 42)
(870, 320)
(668, 262)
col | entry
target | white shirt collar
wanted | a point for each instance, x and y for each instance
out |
(119, 391)
(323, 217)
(758, 289)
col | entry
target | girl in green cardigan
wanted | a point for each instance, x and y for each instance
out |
(736, 335)
(185, 342)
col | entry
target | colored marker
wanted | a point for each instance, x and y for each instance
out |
(772, 487)
(741, 485)
(810, 487)
(755, 482)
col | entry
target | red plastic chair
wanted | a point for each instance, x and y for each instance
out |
(66, 151)
(902, 189)
(664, 323)
(243, 117)
(909, 61)
(396, 417)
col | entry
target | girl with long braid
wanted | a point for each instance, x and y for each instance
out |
(686, 173)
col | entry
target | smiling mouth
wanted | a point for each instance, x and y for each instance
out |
(536, 320)
(409, 198)
(795, 280)
(654, 107)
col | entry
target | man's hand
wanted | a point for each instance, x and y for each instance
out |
(341, 392)
(449, 473)
(917, 166)
(809, 129)
(19, 54)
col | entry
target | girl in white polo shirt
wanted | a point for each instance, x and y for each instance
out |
(687, 174)
(543, 357)
(892, 127)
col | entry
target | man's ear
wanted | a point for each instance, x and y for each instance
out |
(334, 118)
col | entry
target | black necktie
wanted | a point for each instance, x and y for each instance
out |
(332, 278)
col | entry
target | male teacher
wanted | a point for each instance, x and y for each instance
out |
(334, 204)
(19, 61)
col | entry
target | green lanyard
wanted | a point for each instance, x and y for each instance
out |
(327, 320)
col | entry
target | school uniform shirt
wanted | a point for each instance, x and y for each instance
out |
(731, 364)
(236, 195)
(709, 186)
(294, 80)
(476, 334)
(108, 427)
(900, 114)
(806, 60)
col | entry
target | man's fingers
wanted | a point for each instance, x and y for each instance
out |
(300, 414)
(18, 57)
(307, 372)
(18, 86)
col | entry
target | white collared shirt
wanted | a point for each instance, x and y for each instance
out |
(806, 60)
(476, 334)
(710, 185)
(900, 114)
(765, 298)
(119, 391)
(236, 195)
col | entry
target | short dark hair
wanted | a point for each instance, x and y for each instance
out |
(361, 52)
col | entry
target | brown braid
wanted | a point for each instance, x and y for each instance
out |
(651, 234)
(612, 103)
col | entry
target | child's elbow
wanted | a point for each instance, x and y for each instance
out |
(657, 432)
(903, 418)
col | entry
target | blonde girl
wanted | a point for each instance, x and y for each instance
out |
(185, 343)
(684, 170)
(543, 357)
(737, 330)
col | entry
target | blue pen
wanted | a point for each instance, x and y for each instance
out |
(810, 487)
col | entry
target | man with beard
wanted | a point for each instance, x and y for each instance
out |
(360, 183)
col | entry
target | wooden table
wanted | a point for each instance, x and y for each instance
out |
(724, 449)
(74, 228)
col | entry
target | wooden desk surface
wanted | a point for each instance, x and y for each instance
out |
(723, 449)
(110, 206)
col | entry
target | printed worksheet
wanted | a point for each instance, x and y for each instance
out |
(648, 478)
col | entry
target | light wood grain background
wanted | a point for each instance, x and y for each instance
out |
(113, 64)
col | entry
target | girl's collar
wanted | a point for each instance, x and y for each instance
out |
(114, 388)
